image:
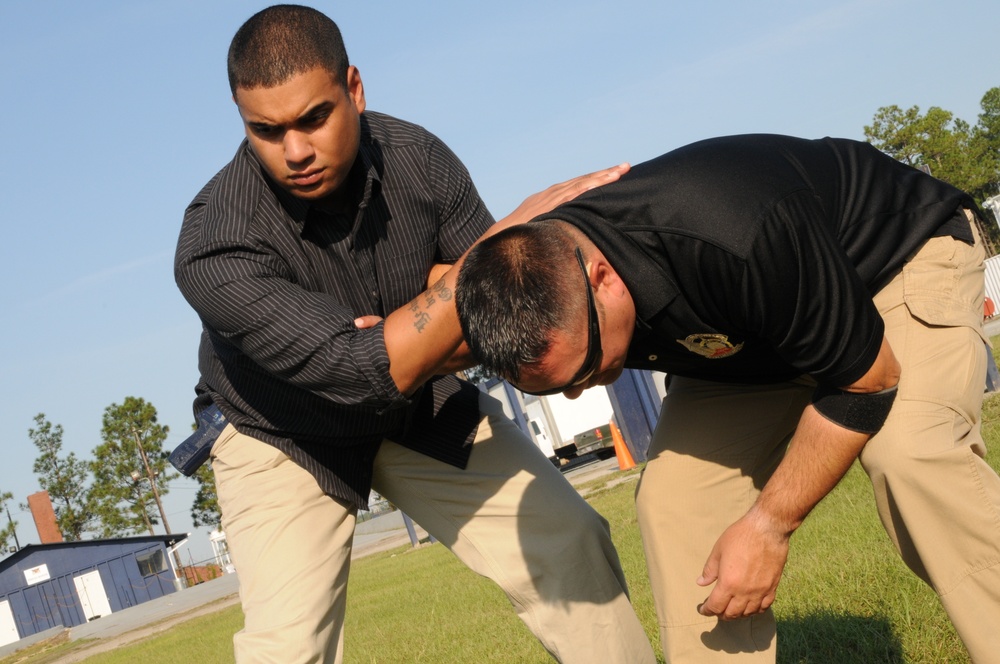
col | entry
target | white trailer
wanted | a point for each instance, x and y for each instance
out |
(562, 419)
(553, 421)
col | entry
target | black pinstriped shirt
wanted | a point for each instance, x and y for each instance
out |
(278, 284)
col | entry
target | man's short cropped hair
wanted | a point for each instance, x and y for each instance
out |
(514, 288)
(284, 40)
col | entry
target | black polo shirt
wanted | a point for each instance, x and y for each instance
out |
(755, 258)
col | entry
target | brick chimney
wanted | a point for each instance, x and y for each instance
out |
(45, 518)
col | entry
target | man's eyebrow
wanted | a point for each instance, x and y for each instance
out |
(260, 125)
(310, 113)
(321, 107)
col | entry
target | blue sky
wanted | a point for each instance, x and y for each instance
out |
(114, 113)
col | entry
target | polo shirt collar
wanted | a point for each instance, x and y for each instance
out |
(650, 281)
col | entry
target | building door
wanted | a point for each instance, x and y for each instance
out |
(8, 628)
(94, 600)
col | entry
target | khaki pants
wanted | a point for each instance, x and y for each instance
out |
(509, 516)
(716, 445)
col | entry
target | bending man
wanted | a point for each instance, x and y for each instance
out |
(811, 301)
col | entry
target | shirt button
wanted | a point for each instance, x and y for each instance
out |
(653, 358)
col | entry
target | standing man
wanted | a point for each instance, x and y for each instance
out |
(327, 215)
(811, 301)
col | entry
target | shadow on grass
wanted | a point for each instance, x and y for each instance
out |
(825, 638)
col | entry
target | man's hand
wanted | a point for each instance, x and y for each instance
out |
(745, 565)
(557, 194)
(747, 560)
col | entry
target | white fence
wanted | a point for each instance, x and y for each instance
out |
(993, 279)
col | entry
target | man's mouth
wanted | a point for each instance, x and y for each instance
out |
(307, 178)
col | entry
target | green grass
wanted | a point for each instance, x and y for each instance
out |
(204, 640)
(845, 598)
(433, 610)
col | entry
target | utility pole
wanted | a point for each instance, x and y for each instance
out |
(145, 515)
(152, 479)
(12, 528)
(159, 504)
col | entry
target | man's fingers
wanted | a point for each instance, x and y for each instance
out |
(751, 608)
(727, 606)
(619, 170)
(557, 194)
(365, 322)
(709, 573)
(612, 173)
(597, 178)
(735, 610)
(715, 604)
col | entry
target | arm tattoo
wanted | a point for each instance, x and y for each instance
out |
(422, 317)
(421, 320)
(440, 290)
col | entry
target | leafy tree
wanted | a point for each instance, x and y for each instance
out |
(965, 156)
(988, 129)
(64, 477)
(126, 498)
(989, 119)
(9, 531)
(205, 510)
(948, 146)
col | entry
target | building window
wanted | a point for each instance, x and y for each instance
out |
(151, 563)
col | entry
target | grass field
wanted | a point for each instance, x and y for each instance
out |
(844, 599)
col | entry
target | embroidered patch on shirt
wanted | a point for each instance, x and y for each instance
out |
(712, 346)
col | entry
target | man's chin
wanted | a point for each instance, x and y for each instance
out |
(311, 193)
(609, 376)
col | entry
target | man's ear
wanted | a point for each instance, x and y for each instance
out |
(604, 275)
(355, 88)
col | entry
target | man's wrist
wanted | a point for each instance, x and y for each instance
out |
(777, 523)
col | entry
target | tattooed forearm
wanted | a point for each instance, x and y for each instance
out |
(420, 306)
(439, 290)
(421, 320)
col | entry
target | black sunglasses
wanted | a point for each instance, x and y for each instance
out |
(592, 362)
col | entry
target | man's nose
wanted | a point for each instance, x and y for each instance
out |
(298, 148)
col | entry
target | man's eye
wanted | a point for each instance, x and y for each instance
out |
(315, 120)
(263, 131)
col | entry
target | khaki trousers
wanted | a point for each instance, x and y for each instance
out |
(510, 516)
(717, 444)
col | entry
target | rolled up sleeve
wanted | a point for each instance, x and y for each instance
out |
(247, 298)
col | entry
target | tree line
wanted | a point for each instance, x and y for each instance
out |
(113, 494)
(962, 154)
(117, 492)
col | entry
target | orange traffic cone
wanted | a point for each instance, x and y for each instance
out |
(625, 460)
